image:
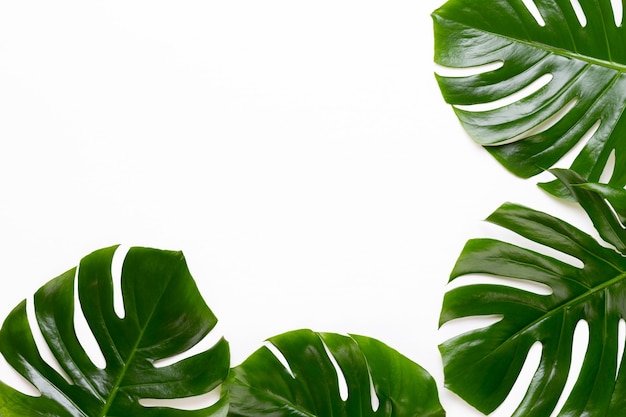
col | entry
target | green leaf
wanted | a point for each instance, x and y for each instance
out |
(164, 316)
(263, 386)
(587, 90)
(482, 365)
(614, 195)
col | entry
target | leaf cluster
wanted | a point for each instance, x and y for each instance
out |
(165, 316)
(540, 82)
(541, 79)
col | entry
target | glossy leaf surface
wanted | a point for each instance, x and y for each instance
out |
(483, 364)
(164, 315)
(262, 386)
(614, 195)
(536, 86)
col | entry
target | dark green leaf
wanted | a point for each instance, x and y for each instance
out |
(164, 316)
(614, 195)
(587, 90)
(262, 386)
(483, 364)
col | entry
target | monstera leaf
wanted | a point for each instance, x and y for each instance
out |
(616, 196)
(576, 59)
(164, 316)
(482, 365)
(308, 385)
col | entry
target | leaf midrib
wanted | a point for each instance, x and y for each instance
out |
(131, 357)
(549, 48)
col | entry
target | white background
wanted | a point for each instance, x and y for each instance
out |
(299, 153)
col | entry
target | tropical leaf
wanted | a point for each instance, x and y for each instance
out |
(309, 384)
(482, 365)
(164, 316)
(614, 195)
(581, 59)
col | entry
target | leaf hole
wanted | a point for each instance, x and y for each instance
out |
(83, 332)
(534, 11)
(607, 172)
(279, 356)
(521, 284)
(618, 12)
(580, 13)
(506, 235)
(40, 341)
(579, 349)
(616, 216)
(621, 341)
(526, 374)
(462, 325)
(116, 276)
(197, 402)
(15, 380)
(570, 155)
(519, 95)
(451, 72)
(341, 378)
(206, 343)
(375, 401)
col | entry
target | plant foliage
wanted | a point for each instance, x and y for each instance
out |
(309, 385)
(164, 315)
(482, 365)
(584, 58)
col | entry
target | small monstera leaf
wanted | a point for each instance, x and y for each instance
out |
(482, 365)
(577, 60)
(308, 385)
(164, 316)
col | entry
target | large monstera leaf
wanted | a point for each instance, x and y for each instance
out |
(509, 50)
(164, 316)
(482, 365)
(308, 385)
